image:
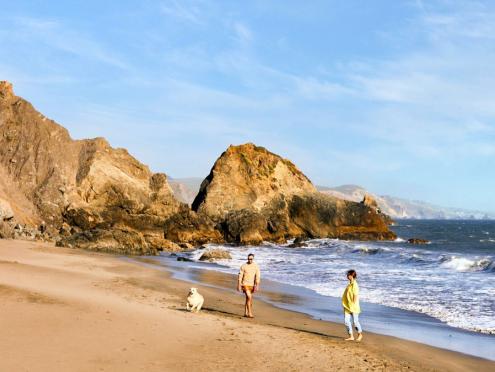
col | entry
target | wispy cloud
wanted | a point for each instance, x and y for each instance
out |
(57, 35)
(243, 33)
(188, 11)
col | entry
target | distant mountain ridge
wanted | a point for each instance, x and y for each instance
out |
(401, 208)
(185, 189)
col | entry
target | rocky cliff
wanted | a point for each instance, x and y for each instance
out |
(87, 194)
(93, 195)
(253, 195)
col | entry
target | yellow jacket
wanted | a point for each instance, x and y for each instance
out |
(350, 299)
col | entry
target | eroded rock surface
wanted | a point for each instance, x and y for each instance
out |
(84, 193)
(252, 195)
(97, 196)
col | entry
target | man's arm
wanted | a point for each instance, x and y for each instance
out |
(239, 279)
(257, 280)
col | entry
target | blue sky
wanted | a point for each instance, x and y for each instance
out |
(396, 96)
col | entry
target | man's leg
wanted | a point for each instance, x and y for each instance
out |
(249, 302)
(246, 304)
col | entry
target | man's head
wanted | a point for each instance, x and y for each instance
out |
(250, 258)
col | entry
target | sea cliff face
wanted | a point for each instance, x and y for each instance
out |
(252, 195)
(84, 193)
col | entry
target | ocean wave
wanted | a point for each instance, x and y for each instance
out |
(369, 250)
(415, 258)
(399, 240)
(428, 280)
(463, 264)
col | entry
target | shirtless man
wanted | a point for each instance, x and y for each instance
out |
(249, 282)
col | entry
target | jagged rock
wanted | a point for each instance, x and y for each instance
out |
(184, 259)
(6, 212)
(84, 184)
(193, 228)
(298, 243)
(254, 195)
(96, 197)
(186, 246)
(369, 201)
(215, 254)
(417, 241)
(244, 226)
(248, 177)
(6, 230)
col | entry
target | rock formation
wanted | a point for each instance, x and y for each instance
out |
(84, 193)
(98, 197)
(253, 195)
(417, 241)
(215, 254)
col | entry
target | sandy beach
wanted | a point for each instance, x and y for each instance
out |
(66, 309)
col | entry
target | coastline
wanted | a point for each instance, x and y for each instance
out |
(71, 309)
(380, 319)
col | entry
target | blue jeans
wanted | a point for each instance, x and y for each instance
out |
(355, 320)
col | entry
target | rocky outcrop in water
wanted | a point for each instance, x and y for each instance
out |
(252, 195)
(215, 254)
(417, 241)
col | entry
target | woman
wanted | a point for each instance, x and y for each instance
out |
(350, 302)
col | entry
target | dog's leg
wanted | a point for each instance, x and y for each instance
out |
(187, 306)
(198, 308)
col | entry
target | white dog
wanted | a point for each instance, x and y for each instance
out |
(194, 300)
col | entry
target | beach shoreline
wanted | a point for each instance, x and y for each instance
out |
(70, 309)
(380, 319)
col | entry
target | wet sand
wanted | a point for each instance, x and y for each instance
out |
(67, 309)
(375, 318)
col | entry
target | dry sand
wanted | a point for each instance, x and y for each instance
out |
(68, 310)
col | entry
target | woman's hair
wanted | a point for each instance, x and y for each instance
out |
(352, 273)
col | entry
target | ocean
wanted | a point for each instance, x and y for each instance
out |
(451, 279)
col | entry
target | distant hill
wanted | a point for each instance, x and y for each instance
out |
(185, 189)
(404, 208)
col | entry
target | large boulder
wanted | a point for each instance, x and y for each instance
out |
(248, 176)
(215, 254)
(254, 195)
